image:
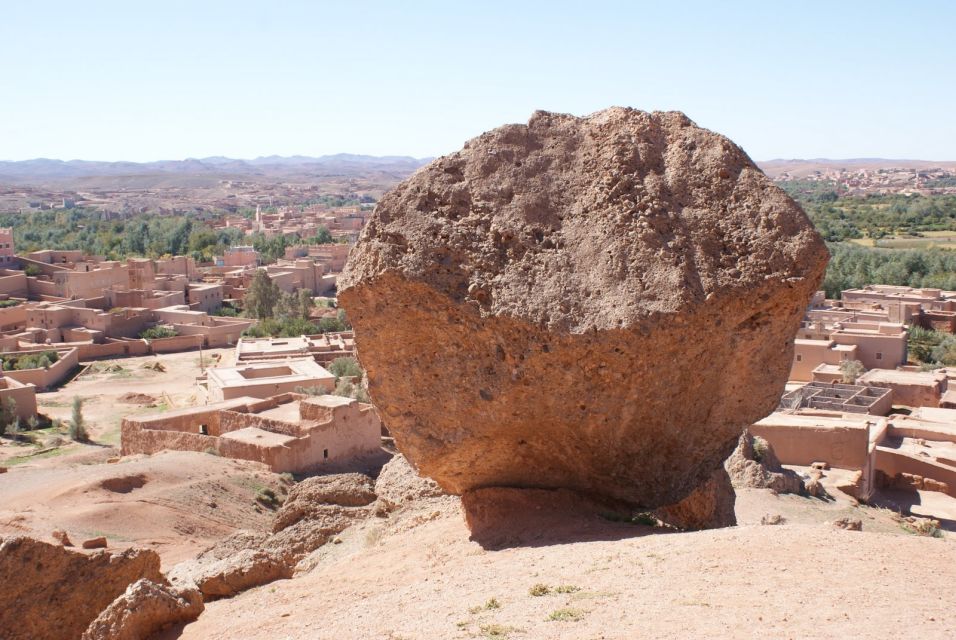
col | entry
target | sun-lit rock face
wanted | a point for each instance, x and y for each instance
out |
(600, 304)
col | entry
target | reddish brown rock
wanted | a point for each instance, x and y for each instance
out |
(95, 543)
(399, 484)
(709, 506)
(313, 495)
(62, 537)
(144, 609)
(51, 593)
(600, 304)
(754, 465)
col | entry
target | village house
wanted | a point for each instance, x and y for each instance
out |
(289, 432)
(912, 388)
(324, 347)
(266, 379)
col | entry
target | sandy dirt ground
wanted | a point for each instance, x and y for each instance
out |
(112, 389)
(175, 502)
(424, 578)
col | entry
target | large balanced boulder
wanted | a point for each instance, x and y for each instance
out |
(49, 592)
(600, 304)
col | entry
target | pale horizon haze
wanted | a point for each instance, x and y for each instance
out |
(105, 80)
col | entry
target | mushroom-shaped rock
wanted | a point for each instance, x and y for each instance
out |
(600, 304)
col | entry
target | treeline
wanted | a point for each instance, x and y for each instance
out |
(146, 235)
(852, 266)
(840, 218)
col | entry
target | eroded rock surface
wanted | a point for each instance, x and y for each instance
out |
(144, 609)
(224, 570)
(754, 465)
(50, 592)
(709, 506)
(399, 484)
(600, 304)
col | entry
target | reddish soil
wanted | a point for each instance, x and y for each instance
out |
(420, 576)
(176, 503)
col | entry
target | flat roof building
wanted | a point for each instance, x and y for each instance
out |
(266, 379)
(289, 432)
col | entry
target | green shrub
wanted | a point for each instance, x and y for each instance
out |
(539, 590)
(4, 304)
(566, 615)
(345, 366)
(23, 361)
(268, 498)
(158, 332)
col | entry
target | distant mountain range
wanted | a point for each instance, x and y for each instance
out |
(346, 164)
(341, 163)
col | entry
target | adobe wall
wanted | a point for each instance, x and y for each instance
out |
(13, 317)
(910, 395)
(46, 378)
(111, 348)
(176, 343)
(808, 356)
(356, 431)
(205, 298)
(25, 399)
(232, 421)
(891, 462)
(892, 348)
(267, 389)
(841, 447)
(14, 284)
(38, 288)
(127, 325)
(219, 335)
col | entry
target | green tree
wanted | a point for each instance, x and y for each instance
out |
(922, 342)
(945, 352)
(262, 296)
(287, 306)
(77, 423)
(306, 303)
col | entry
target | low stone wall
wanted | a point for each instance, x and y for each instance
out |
(46, 378)
(891, 463)
(176, 343)
(92, 350)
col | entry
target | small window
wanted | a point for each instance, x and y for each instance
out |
(879, 356)
(799, 358)
(325, 454)
(203, 430)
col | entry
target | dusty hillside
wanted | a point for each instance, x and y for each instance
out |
(175, 503)
(417, 575)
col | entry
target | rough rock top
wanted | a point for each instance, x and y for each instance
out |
(599, 304)
(587, 223)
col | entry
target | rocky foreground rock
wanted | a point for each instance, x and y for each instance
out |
(600, 304)
(51, 593)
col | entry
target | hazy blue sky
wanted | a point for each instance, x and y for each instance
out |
(170, 79)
